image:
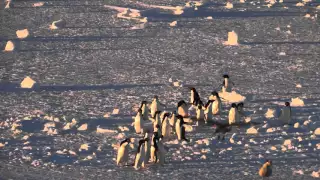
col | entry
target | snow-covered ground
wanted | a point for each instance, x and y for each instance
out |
(98, 62)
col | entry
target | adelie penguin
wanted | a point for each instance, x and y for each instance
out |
(139, 160)
(147, 146)
(266, 169)
(165, 128)
(285, 115)
(161, 151)
(194, 96)
(122, 157)
(233, 114)
(240, 110)
(208, 111)
(180, 129)
(217, 104)
(145, 111)
(154, 147)
(182, 108)
(155, 106)
(199, 112)
(157, 118)
(172, 121)
(227, 84)
(138, 122)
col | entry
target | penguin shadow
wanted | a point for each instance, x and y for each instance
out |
(15, 87)
(206, 10)
(36, 125)
(92, 124)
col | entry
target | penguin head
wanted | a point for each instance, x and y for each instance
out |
(208, 103)
(179, 117)
(215, 93)
(166, 115)
(143, 103)
(226, 76)
(155, 97)
(268, 162)
(156, 127)
(193, 89)
(233, 105)
(240, 104)
(287, 104)
(127, 140)
(157, 113)
(181, 103)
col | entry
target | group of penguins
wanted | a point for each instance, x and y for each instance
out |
(164, 124)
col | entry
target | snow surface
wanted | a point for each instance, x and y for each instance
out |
(97, 63)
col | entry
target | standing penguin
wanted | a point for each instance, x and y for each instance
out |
(147, 146)
(165, 128)
(157, 119)
(217, 104)
(208, 111)
(226, 85)
(172, 121)
(285, 115)
(123, 151)
(233, 114)
(266, 169)
(180, 129)
(161, 150)
(157, 129)
(194, 97)
(139, 160)
(182, 108)
(155, 106)
(138, 122)
(154, 147)
(199, 112)
(240, 110)
(145, 110)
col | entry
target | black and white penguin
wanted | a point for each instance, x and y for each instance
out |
(194, 97)
(123, 152)
(182, 108)
(165, 126)
(199, 112)
(139, 160)
(240, 109)
(145, 111)
(226, 85)
(147, 146)
(154, 147)
(138, 122)
(208, 111)
(285, 115)
(266, 169)
(161, 151)
(180, 129)
(155, 106)
(172, 121)
(157, 118)
(233, 114)
(217, 104)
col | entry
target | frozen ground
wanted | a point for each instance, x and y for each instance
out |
(96, 63)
